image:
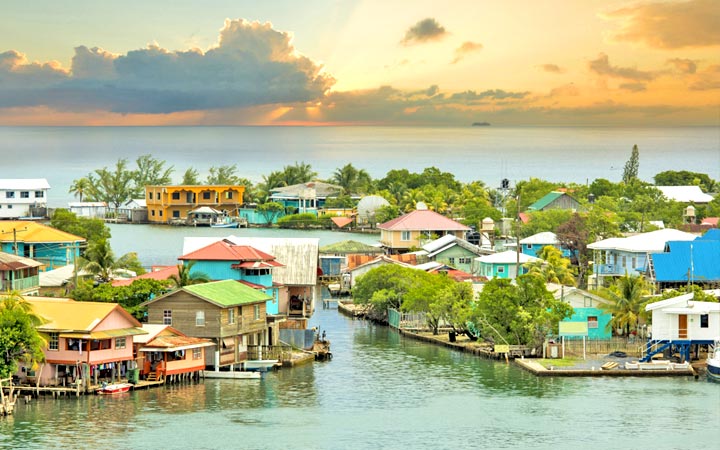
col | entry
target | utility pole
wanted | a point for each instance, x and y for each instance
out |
(517, 237)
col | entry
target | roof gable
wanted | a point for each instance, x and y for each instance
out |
(225, 250)
(69, 315)
(688, 259)
(546, 200)
(423, 220)
(546, 237)
(29, 231)
(227, 293)
(350, 246)
(653, 241)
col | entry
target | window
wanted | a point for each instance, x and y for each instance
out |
(206, 196)
(501, 269)
(176, 214)
(197, 353)
(176, 196)
(100, 344)
(257, 312)
(54, 341)
(404, 235)
(465, 260)
(160, 212)
(39, 194)
(256, 272)
(587, 302)
(73, 344)
(120, 342)
(24, 194)
(592, 322)
(451, 261)
(149, 195)
(528, 246)
(703, 321)
(228, 195)
(9, 206)
(199, 318)
(167, 317)
(624, 261)
(10, 194)
(231, 316)
(152, 212)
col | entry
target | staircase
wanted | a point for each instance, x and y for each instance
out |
(154, 376)
(653, 348)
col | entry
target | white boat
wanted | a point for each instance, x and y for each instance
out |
(713, 362)
(260, 365)
(236, 375)
(225, 225)
(117, 388)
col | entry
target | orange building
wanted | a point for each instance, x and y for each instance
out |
(166, 204)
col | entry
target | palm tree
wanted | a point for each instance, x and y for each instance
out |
(186, 276)
(626, 302)
(80, 187)
(552, 267)
(100, 261)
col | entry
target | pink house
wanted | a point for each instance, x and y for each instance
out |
(165, 351)
(88, 341)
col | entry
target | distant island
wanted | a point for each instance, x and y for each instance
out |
(481, 124)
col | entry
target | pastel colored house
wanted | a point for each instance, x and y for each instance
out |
(166, 204)
(555, 200)
(305, 197)
(614, 257)
(679, 323)
(683, 262)
(502, 265)
(86, 340)
(223, 260)
(229, 313)
(165, 351)
(532, 245)
(298, 273)
(23, 198)
(455, 252)
(89, 210)
(19, 274)
(413, 229)
(586, 310)
(49, 246)
(334, 257)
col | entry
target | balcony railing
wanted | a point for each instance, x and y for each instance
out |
(279, 352)
(20, 284)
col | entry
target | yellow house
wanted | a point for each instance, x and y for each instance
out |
(168, 203)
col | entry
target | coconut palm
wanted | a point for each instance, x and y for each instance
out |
(552, 267)
(186, 276)
(626, 302)
(100, 261)
(80, 187)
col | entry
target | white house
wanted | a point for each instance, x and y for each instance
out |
(18, 196)
(685, 194)
(91, 210)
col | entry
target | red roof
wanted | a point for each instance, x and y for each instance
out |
(156, 274)
(712, 221)
(227, 251)
(423, 220)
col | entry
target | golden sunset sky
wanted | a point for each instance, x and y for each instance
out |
(391, 62)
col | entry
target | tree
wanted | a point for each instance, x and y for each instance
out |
(186, 276)
(685, 178)
(114, 187)
(100, 261)
(386, 213)
(91, 229)
(270, 211)
(549, 220)
(80, 187)
(352, 180)
(384, 287)
(223, 175)
(191, 177)
(297, 173)
(626, 302)
(19, 338)
(552, 267)
(630, 172)
(150, 172)
(129, 297)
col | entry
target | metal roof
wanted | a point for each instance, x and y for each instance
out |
(697, 260)
(226, 293)
(66, 315)
(312, 189)
(30, 184)
(546, 200)
(423, 220)
(30, 231)
(225, 250)
(685, 194)
(654, 241)
(546, 237)
(8, 261)
(350, 246)
(508, 257)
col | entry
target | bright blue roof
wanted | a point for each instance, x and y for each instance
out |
(675, 265)
(712, 234)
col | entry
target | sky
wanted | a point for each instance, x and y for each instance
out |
(363, 62)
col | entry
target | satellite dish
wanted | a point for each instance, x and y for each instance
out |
(421, 206)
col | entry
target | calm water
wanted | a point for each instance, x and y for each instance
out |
(382, 391)
(62, 154)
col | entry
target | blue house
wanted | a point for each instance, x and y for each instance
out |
(586, 309)
(502, 265)
(532, 245)
(47, 245)
(306, 197)
(223, 260)
(684, 262)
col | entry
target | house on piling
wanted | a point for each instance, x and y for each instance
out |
(19, 274)
(165, 351)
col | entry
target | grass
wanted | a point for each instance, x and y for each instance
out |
(567, 362)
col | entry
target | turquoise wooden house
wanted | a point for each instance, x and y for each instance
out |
(502, 265)
(532, 245)
(47, 245)
(223, 260)
(454, 252)
(586, 309)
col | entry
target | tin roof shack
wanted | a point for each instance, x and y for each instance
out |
(228, 312)
(166, 351)
(20, 274)
(86, 340)
(555, 200)
(679, 323)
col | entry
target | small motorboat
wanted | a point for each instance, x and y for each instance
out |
(117, 388)
(225, 225)
(713, 362)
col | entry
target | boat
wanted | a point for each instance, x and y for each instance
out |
(225, 225)
(117, 388)
(713, 362)
(236, 375)
(259, 365)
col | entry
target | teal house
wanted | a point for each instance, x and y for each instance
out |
(532, 245)
(586, 309)
(502, 265)
(454, 252)
(224, 260)
(47, 245)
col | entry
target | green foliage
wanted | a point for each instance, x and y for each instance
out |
(686, 178)
(627, 300)
(384, 287)
(100, 261)
(386, 213)
(553, 268)
(129, 297)
(531, 191)
(80, 187)
(149, 172)
(630, 172)
(352, 180)
(270, 211)
(519, 314)
(19, 338)
(191, 177)
(186, 276)
(304, 221)
(223, 175)
(91, 229)
(343, 201)
(549, 220)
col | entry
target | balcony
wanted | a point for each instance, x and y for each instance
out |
(20, 284)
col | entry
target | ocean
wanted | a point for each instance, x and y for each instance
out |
(488, 154)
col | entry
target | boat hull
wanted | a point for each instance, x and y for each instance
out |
(112, 389)
(713, 369)
(225, 225)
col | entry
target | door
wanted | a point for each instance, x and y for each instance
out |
(682, 326)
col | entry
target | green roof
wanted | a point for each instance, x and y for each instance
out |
(227, 293)
(350, 247)
(543, 202)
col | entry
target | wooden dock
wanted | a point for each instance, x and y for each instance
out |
(353, 310)
(539, 370)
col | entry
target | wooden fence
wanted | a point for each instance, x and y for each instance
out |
(631, 346)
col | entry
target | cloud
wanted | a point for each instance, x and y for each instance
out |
(252, 64)
(465, 49)
(669, 25)
(633, 87)
(602, 66)
(683, 65)
(490, 94)
(552, 68)
(568, 90)
(424, 31)
(708, 79)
